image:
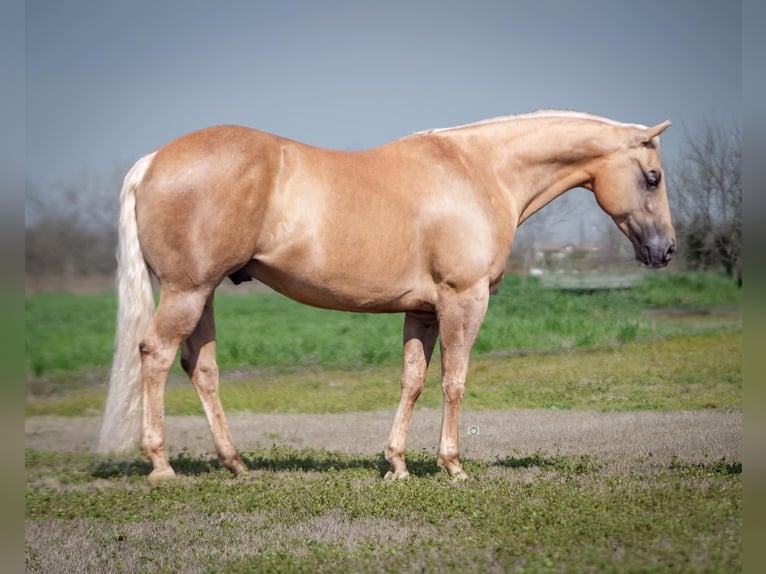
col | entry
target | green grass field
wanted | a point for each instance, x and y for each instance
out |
(678, 372)
(70, 338)
(314, 511)
(308, 510)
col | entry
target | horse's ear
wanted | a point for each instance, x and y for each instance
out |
(650, 133)
(657, 130)
(646, 136)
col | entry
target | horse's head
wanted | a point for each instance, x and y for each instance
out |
(629, 185)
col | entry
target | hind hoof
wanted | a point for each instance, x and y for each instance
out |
(239, 469)
(163, 475)
(459, 476)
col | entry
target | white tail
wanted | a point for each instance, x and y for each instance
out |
(121, 427)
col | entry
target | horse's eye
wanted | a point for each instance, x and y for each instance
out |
(653, 178)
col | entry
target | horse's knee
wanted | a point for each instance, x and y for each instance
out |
(453, 390)
(412, 386)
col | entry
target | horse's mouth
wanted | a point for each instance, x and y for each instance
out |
(656, 254)
(653, 248)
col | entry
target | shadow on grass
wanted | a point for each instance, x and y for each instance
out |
(721, 467)
(420, 464)
(582, 464)
(182, 464)
(277, 459)
(587, 464)
(285, 459)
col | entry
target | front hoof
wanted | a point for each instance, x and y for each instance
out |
(453, 468)
(398, 475)
(162, 475)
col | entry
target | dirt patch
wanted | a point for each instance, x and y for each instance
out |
(624, 440)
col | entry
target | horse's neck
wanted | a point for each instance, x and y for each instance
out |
(535, 161)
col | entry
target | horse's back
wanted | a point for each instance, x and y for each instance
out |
(373, 230)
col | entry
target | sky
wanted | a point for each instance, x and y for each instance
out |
(107, 82)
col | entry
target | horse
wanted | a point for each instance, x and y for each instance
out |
(421, 226)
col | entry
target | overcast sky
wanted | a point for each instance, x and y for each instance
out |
(110, 81)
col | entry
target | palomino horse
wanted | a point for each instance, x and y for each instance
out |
(421, 226)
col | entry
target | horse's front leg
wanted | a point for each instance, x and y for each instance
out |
(420, 332)
(459, 321)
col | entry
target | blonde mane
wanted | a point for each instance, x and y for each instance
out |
(535, 115)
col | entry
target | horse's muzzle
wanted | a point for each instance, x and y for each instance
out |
(657, 253)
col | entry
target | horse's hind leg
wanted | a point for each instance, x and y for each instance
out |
(176, 317)
(198, 360)
(420, 332)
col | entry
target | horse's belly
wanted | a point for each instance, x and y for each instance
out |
(384, 293)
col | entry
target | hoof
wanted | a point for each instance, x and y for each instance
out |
(164, 475)
(454, 469)
(458, 476)
(400, 475)
(239, 469)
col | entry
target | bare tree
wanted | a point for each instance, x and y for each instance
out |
(71, 229)
(707, 187)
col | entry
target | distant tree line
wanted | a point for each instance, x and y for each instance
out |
(706, 190)
(71, 231)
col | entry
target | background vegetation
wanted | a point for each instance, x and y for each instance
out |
(71, 230)
(70, 337)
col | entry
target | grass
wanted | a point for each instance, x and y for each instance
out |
(311, 511)
(69, 338)
(304, 510)
(701, 371)
(278, 356)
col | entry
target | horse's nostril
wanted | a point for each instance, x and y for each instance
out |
(670, 252)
